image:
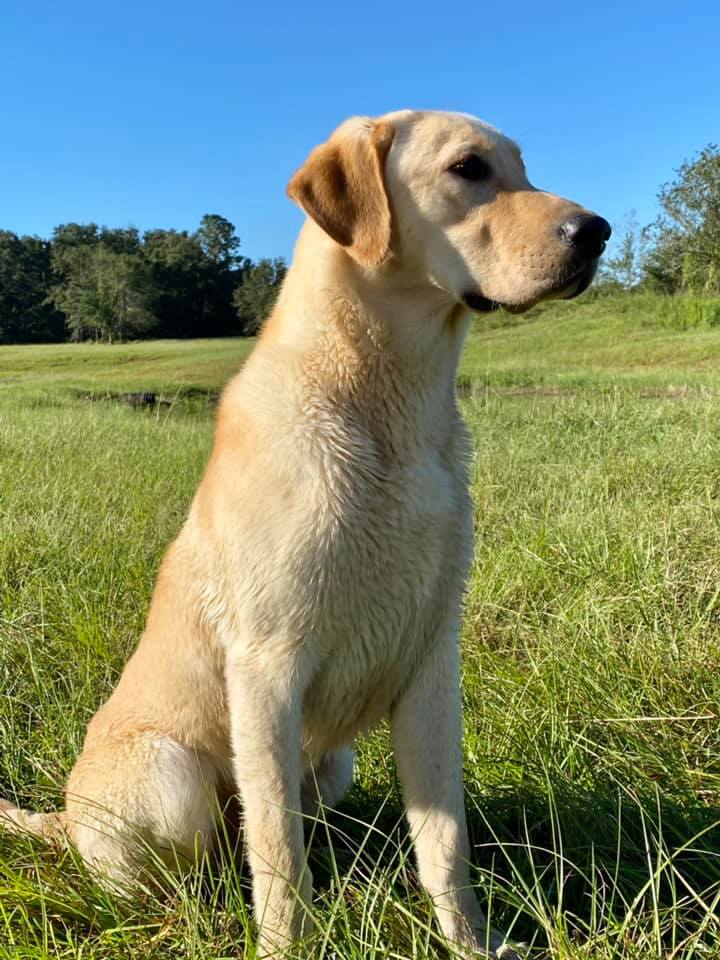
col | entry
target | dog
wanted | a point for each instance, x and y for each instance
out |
(316, 585)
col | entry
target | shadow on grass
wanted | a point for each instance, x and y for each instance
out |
(600, 862)
(584, 865)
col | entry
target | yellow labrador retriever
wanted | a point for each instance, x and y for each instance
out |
(316, 586)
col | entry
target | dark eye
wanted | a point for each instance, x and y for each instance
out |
(471, 168)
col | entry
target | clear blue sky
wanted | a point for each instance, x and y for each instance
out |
(154, 113)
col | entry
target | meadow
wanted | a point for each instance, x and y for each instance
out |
(591, 643)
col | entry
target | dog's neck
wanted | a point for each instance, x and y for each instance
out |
(336, 314)
(378, 344)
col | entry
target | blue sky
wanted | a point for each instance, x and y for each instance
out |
(154, 113)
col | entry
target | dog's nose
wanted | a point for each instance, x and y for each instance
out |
(587, 233)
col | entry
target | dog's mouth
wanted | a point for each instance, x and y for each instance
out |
(579, 282)
(480, 304)
(569, 287)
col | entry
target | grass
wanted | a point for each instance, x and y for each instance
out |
(591, 643)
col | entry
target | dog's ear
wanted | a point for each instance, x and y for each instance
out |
(342, 187)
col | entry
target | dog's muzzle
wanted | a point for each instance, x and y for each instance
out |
(586, 235)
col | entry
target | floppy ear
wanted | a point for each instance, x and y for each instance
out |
(342, 187)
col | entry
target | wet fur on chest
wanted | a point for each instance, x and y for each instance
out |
(386, 549)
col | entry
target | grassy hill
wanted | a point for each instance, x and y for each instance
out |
(591, 641)
(631, 341)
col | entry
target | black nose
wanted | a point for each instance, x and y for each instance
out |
(587, 233)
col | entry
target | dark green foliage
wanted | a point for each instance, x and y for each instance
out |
(177, 264)
(105, 295)
(222, 272)
(25, 274)
(218, 242)
(255, 298)
(100, 283)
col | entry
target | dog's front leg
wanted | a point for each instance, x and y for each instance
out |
(266, 728)
(427, 736)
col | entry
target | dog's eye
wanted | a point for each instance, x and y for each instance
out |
(471, 168)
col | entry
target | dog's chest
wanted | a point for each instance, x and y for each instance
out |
(386, 560)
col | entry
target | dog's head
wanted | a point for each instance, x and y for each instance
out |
(447, 197)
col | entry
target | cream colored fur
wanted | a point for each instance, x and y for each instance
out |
(316, 585)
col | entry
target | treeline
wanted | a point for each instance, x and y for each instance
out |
(100, 283)
(680, 251)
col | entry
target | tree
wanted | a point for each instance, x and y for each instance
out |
(223, 272)
(178, 266)
(25, 277)
(686, 250)
(108, 283)
(218, 241)
(255, 298)
(105, 295)
(102, 282)
(626, 269)
(121, 239)
(68, 243)
(185, 281)
(74, 235)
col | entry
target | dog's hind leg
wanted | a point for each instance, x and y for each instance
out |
(131, 800)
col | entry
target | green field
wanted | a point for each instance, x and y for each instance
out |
(591, 642)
